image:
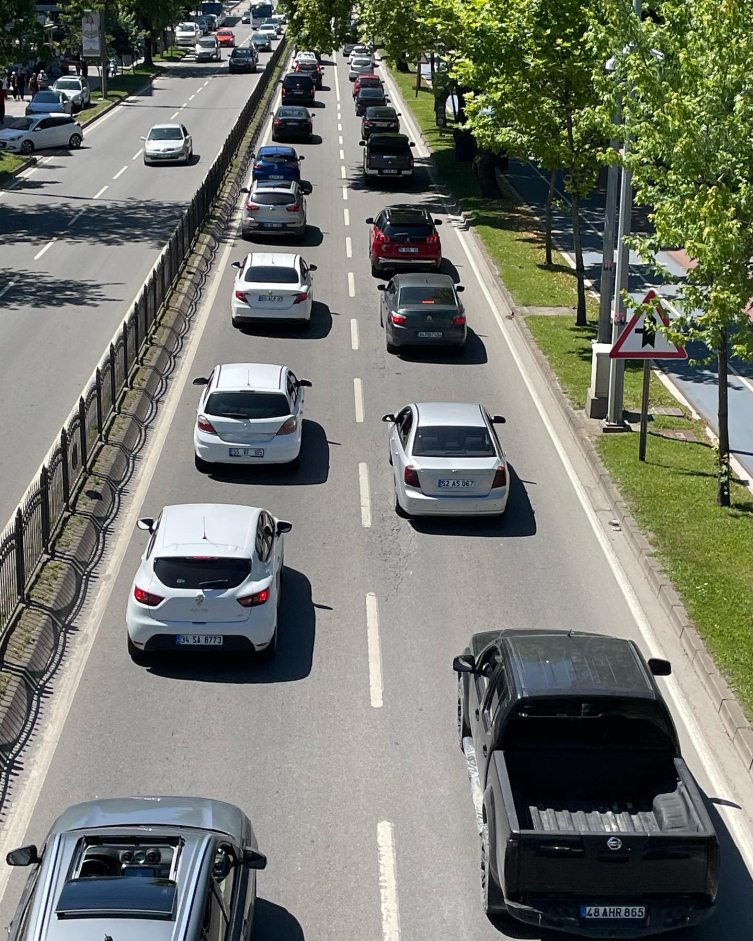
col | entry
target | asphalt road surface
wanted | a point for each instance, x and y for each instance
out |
(343, 751)
(80, 233)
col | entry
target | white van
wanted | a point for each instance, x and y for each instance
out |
(208, 49)
(187, 34)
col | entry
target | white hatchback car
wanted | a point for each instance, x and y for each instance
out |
(272, 286)
(210, 577)
(249, 413)
(447, 461)
(40, 131)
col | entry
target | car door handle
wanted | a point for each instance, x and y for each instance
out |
(485, 750)
(477, 713)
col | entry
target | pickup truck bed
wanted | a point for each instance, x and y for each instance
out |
(580, 815)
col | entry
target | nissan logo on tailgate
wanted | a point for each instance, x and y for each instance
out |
(614, 843)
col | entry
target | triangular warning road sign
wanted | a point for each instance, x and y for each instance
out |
(641, 341)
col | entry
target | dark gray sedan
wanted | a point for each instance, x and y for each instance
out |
(292, 121)
(378, 120)
(370, 98)
(417, 309)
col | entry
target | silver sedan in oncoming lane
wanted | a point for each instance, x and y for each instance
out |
(168, 142)
(447, 460)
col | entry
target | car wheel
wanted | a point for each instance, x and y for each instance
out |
(75, 141)
(270, 650)
(139, 656)
(202, 466)
(27, 148)
(492, 897)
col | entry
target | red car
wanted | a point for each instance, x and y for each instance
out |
(226, 37)
(404, 236)
(366, 81)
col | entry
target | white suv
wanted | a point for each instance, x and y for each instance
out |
(187, 34)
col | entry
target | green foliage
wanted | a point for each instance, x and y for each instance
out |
(123, 33)
(319, 25)
(18, 30)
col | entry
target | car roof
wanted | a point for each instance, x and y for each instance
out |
(276, 149)
(272, 259)
(198, 528)
(401, 140)
(256, 376)
(404, 212)
(450, 413)
(416, 279)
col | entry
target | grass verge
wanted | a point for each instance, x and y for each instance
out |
(705, 550)
(8, 163)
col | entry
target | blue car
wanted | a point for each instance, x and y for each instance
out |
(277, 163)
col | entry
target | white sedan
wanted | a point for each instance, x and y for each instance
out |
(447, 461)
(209, 577)
(249, 413)
(272, 286)
(168, 142)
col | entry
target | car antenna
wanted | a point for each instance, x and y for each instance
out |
(204, 525)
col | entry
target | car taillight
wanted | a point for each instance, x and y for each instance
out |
(458, 320)
(397, 318)
(251, 601)
(203, 424)
(146, 597)
(276, 122)
(500, 478)
(258, 165)
(288, 426)
(367, 121)
(433, 239)
(294, 207)
(300, 298)
(411, 477)
(252, 206)
(241, 295)
(380, 236)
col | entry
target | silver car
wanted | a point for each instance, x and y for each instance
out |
(422, 309)
(76, 88)
(447, 460)
(168, 142)
(208, 49)
(140, 867)
(50, 102)
(360, 65)
(274, 208)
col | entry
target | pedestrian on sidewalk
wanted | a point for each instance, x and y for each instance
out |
(42, 80)
(84, 68)
(33, 84)
(13, 86)
(3, 96)
(21, 82)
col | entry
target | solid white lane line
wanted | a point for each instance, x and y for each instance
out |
(340, 139)
(78, 215)
(43, 250)
(120, 172)
(342, 154)
(138, 153)
(345, 192)
(354, 334)
(376, 686)
(363, 483)
(7, 288)
(348, 247)
(388, 881)
(358, 396)
(342, 172)
(101, 191)
(346, 216)
(175, 114)
(351, 284)
(337, 85)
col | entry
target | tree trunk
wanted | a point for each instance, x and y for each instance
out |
(722, 487)
(402, 66)
(580, 272)
(548, 217)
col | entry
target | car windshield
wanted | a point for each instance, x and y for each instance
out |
(247, 405)
(207, 43)
(452, 440)
(191, 27)
(165, 133)
(68, 83)
(46, 96)
(201, 571)
(260, 37)
(307, 65)
(413, 296)
(273, 198)
(388, 145)
(369, 81)
(274, 274)
(361, 63)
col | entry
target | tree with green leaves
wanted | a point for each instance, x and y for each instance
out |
(319, 25)
(19, 29)
(689, 116)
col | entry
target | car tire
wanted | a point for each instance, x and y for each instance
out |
(27, 148)
(202, 466)
(140, 657)
(375, 272)
(75, 141)
(392, 349)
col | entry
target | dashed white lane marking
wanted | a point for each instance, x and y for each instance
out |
(351, 284)
(205, 83)
(138, 153)
(388, 881)
(7, 288)
(48, 246)
(342, 154)
(120, 172)
(78, 215)
(337, 85)
(101, 191)
(198, 90)
(376, 692)
(346, 216)
(358, 396)
(345, 192)
(363, 484)
(339, 127)
(348, 247)
(184, 105)
(354, 334)
(175, 114)
(342, 172)
(340, 139)
(192, 97)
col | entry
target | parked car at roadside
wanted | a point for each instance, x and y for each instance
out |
(39, 132)
(76, 89)
(50, 102)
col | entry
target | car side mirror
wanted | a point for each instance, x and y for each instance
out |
(304, 383)
(23, 856)
(381, 287)
(389, 417)
(370, 220)
(436, 221)
(245, 189)
(254, 860)
(200, 381)
(143, 138)
(464, 664)
(459, 288)
(237, 264)
(659, 667)
(499, 420)
(301, 158)
(412, 144)
(147, 523)
(399, 114)
(313, 267)
(362, 143)
(283, 526)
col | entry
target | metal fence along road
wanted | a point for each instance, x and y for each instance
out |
(31, 532)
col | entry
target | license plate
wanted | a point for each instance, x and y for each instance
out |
(429, 335)
(272, 298)
(276, 176)
(199, 640)
(406, 251)
(464, 484)
(391, 171)
(273, 225)
(613, 912)
(246, 452)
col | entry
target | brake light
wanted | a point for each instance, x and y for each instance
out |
(367, 121)
(146, 597)
(397, 318)
(300, 298)
(276, 122)
(251, 601)
(458, 320)
(294, 207)
(500, 478)
(288, 426)
(258, 165)
(433, 239)
(241, 295)
(379, 236)
(203, 424)
(252, 206)
(411, 477)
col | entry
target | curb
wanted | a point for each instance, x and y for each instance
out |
(722, 697)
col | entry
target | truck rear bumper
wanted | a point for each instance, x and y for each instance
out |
(562, 915)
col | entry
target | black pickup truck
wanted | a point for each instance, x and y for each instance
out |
(590, 821)
(387, 156)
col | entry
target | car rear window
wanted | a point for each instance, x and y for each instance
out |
(272, 198)
(307, 65)
(241, 52)
(381, 113)
(367, 92)
(247, 404)
(413, 230)
(298, 81)
(297, 113)
(258, 274)
(277, 158)
(204, 572)
(452, 440)
(426, 295)
(388, 145)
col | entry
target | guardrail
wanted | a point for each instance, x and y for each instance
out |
(31, 532)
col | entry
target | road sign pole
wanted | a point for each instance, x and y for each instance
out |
(644, 409)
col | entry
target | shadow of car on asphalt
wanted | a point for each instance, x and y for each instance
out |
(472, 354)
(275, 923)
(317, 329)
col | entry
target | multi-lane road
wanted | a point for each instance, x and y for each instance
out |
(80, 233)
(343, 750)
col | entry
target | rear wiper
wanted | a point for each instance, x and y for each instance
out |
(232, 415)
(215, 583)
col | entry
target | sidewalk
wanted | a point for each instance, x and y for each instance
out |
(698, 384)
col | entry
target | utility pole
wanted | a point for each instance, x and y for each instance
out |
(103, 51)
